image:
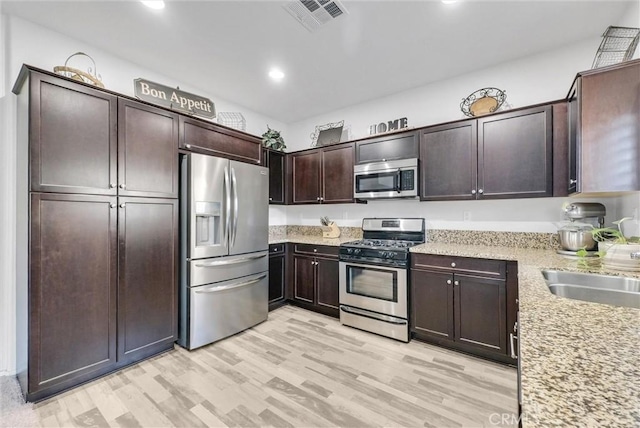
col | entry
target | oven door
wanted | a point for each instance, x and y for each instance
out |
(379, 289)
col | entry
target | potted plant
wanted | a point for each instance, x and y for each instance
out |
(273, 140)
(615, 249)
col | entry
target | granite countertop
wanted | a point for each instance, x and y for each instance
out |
(580, 361)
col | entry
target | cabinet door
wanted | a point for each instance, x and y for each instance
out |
(515, 154)
(73, 138)
(147, 287)
(207, 138)
(390, 147)
(432, 304)
(276, 167)
(147, 151)
(306, 178)
(337, 174)
(276, 277)
(480, 312)
(448, 162)
(328, 291)
(72, 298)
(304, 278)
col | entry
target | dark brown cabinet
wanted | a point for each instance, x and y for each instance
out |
(275, 161)
(277, 275)
(507, 155)
(604, 130)
(73, 273)
(389, 147)
(102, 286)
(209, 138)
(147, 265)
(70, 153)
(315, 278)
(323, 175)
(464, 303)
(147, 151)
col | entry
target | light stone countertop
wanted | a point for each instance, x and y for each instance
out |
(580, 361)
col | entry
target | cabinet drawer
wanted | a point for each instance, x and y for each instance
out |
(317, 250)
(276, 248)
(467, 265)
(218, 141)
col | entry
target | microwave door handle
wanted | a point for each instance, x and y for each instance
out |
(398, 180)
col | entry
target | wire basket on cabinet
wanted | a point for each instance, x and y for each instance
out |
(618, 45)
(233, 120)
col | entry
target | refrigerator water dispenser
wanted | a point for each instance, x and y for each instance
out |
(208, 223)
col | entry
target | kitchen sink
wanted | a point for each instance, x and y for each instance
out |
(610, 290)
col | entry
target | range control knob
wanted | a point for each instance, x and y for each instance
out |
(349, 250)
(357, 251)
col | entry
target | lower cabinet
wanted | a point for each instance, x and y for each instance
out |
(102, 288)
(315, 278)
(464, 303)
(277, 275)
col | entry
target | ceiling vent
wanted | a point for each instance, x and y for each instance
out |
(314, 14)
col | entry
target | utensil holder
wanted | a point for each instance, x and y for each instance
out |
(331, 231)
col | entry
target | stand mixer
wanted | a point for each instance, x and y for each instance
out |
(577, 235)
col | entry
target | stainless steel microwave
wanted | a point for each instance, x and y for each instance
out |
(392, 179)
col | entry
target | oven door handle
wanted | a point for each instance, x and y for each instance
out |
(373, 315)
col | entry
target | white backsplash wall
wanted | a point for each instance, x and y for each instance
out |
(513, 215)
(629, 206)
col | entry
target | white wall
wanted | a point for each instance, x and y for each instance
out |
(629, 206)
(26, 42)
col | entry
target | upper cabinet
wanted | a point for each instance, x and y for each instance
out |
(72, 132)
(275, 161)
(604, 130)
(209, 138)
(147, 151)
(389, 147)
(506, 155)
(322, 176)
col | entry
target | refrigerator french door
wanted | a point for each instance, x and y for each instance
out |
(224, 248)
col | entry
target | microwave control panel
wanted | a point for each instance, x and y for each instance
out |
(407, 180)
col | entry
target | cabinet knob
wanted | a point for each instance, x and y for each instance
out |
(473, 192)
(321, 198)
(122, 186)
(573, 181)
(188, 146)
(480, 191)
(121, 205)
(271, 199)
(112, 185)
(315, 250)
(112, 205)
(456, 282)
(453, 264)
(448, 282)
(318, 198)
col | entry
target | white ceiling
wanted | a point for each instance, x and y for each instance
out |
(381, 47)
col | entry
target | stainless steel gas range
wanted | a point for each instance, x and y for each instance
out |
(374, 276)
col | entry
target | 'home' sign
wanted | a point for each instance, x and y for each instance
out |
(174, 99)
(391, 125)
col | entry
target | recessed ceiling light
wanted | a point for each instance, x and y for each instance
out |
(449, 1)
(153, 4)
(276, 74)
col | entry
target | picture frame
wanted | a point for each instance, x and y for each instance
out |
(330, 133)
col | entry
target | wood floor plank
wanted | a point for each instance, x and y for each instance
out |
(298, 369)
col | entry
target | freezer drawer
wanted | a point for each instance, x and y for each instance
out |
(206, 271)
(223, 309)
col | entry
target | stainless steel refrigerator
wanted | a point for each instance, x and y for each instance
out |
(224, 281)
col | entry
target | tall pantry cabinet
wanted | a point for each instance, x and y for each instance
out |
(97, 232)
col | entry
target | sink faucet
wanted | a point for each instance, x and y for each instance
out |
(635, 255)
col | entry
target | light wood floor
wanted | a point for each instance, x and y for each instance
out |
(298, 369)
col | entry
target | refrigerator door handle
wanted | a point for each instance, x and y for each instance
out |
(230, 262)
(227, 189)
(234, 188)
(232, 286)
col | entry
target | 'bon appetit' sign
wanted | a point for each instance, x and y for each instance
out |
(174, 99)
